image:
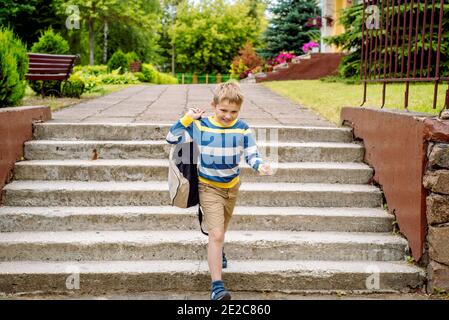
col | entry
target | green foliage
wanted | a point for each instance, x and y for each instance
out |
(208, 34)
(28, 18)
(116, 78)
(351, 40)
(151, 75)
(73, 87)
(92, 82)
(118, 61)
(92, 70)
(13, 68)
(132, 24)
(132, 57)
(287, 30)
(51, 42)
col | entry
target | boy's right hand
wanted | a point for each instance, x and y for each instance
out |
(195, 113)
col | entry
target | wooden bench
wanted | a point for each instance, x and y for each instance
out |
(47, 67)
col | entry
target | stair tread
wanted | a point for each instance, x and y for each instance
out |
(239, 210)
(168, 125)
(156, 237)
(314, 267)
(40, 185)
(163, 142)
(164, 163)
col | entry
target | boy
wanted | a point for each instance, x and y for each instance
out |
(222, 139)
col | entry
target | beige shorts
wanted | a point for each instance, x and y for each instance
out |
(217, 204)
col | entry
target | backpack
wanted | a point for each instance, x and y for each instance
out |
(183, 177)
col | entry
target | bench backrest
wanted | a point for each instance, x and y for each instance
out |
(50, 66)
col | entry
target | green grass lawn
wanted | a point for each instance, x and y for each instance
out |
(327, 98)
(31, 99)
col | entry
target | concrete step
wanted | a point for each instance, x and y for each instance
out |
(16, 219)
(155, 169)
(191, 245)
(74, 193)
(100, 277)
(143, 131)
(277, 152)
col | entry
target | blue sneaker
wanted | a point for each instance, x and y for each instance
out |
(219, 292)
(224, 263)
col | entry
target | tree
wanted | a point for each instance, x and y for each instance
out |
(97, 13)
(207, 35)
(287, 29)
(29, 18)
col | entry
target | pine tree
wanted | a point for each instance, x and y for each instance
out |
(287, 29)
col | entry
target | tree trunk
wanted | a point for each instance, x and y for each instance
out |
(105, 48)
(91, 42)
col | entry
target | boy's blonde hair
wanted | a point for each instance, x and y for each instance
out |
(230, 91)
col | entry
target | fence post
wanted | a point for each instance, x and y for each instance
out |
(194, 79)
(207, 78)
(182, 77)
(218, 78)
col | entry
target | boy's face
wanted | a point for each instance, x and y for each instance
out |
(226, 112)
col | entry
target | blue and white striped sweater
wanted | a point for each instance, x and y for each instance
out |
(221, 148)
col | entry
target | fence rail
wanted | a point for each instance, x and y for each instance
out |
(401, 42)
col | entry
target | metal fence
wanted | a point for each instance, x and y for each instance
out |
(401, 42)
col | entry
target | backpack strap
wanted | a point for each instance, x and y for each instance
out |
(200, 218)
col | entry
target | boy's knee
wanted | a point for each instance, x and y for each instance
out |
(216, 235)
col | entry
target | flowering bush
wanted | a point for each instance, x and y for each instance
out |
(284, 57)
(309, 45)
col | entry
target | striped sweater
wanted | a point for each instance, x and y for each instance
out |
(221, 148)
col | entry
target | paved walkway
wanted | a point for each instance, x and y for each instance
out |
(166, 103)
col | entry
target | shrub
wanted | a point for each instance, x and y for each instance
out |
(52, 43)
(91, 82)
(116, 78)
(150, 74)
(13, 68)
(91, 70)
(164, 78)
(74, 87)
(132, 57)
(140, 76)
(246, 60)
(118, 61)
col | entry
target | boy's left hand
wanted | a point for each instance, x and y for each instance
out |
(265, 169)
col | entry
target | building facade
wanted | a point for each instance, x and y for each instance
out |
(330, 14)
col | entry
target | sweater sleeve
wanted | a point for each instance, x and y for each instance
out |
(250, 151)
(181, 131)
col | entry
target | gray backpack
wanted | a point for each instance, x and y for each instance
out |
(183, 177)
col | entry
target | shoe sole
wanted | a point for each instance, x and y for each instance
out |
(226, 296)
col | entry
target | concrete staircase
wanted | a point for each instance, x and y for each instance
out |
(316, 225)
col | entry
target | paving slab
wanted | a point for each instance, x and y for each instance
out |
(166, 103)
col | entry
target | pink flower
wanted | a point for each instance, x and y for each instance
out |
(309, 45)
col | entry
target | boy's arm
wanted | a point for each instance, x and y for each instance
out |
(252, 155)
(181, 131)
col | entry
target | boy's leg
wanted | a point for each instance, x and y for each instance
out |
(214, 252)
(228, 211)
(212, 203)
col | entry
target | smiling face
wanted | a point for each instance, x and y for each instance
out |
(226, 112)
